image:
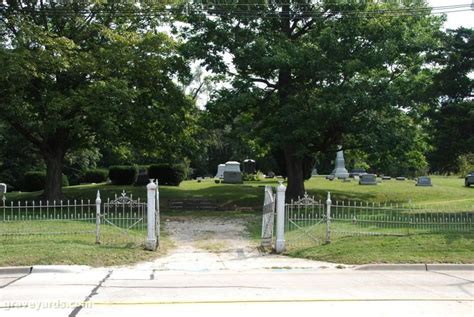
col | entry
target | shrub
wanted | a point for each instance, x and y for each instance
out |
(35, 180)
(98, 175)
(123, 175)
(167, 174)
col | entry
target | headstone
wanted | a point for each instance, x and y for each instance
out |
(424, 181)
(368, 179)
(386, 178)
(330, 177)
(340, 170)
(3, 188)
(232, 173)
(250, 167)
(232, 177)
(142, 178)
(220, 171)
(314, 172)
(400, 178)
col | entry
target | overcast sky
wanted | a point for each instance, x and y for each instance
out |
(456, 19)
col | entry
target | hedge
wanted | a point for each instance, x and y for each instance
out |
(98, 175)
(35, 180)
(123, 175)
(167, 174)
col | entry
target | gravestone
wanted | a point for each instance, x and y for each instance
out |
(386, 178)
(314, 172)
(220, 171)
(424, 181)
(3, 188)
(368, 179)
(250, 167)
(330, 177)
(340, 170)
(270, 175)
(232, 177)
(232, 173)
(400, 178)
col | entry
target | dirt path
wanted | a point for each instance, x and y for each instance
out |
(213, 243)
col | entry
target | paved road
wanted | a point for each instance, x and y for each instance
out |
(81, 291)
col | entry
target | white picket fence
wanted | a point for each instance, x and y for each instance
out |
(307, 222)
(107, 219)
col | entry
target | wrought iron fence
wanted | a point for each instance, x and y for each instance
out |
(311, 222)
(118, 220)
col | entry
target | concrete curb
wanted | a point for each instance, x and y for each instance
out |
(15, 270)
(415, 267)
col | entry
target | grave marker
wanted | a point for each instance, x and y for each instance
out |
(368, 179)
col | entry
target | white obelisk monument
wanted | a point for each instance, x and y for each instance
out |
(340, 170)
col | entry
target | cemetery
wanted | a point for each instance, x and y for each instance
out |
(337, 141)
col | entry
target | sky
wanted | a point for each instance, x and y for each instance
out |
(457, 19)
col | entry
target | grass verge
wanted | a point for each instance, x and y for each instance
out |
(419, 248)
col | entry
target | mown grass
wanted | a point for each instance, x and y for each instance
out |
(250, 194)
(74, 248)
(420, 248)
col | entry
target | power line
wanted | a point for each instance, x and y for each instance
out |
(259, 10)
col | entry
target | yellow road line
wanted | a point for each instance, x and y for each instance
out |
(313, 300)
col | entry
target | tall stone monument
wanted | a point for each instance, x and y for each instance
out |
(340, 171)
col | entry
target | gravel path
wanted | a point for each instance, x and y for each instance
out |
(212, 244)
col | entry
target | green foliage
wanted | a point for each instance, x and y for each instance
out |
(452, 121)
(167, 174)
(466, 164)
(123, 175)
(76, 73)
(301, 84)
(35, 181)
(95, 176)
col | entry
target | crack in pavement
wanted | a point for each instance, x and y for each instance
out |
(77, 309)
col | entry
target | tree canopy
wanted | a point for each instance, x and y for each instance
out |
(310, 75)
(76, 74)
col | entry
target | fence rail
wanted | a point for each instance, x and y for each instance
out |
(310, 222)
(118, 220)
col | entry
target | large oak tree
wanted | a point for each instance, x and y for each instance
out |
(309, 74)
(76, 73)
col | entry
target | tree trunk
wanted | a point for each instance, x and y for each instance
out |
(294, 171)
(54, 170)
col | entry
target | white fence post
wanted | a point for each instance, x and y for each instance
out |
(280, 226)
(328, 218)
(98, 202)
(157, 222)
(151, 211)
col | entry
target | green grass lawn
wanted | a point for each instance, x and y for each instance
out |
(421, 248)
(250, 194)
(73, 248)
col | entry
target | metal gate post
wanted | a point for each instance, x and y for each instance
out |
(151, 211)
(328, 218)
(98, 202)
(280, 226)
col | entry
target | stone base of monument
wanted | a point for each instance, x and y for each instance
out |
(232, 178)
(368, 179)
(424, 181)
